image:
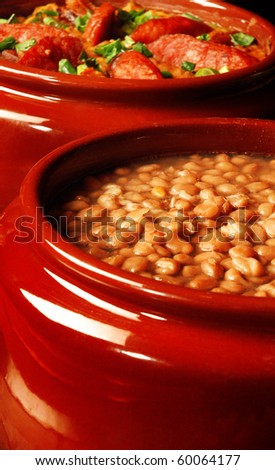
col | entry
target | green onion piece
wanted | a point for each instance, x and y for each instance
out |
(204, 72)
(11, 19)
(166, 74)
(82, 21)
(204, 37)
(242, 39)
(25, 45)
(80, 68)
(38, 18)
(224, 69)
(143, 49)
(189, 66)
(126, 16)
(65, 66)
(49, 12)
(131, 19)
(7, 43)
(142, 18)
(48, 20)
(123, 16)
(83, 56)
(110, 50)
(192, 17)
(128, 42)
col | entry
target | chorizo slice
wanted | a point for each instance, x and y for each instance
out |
(133, 64)
(24, 32)
(157, 27)
(174, 49)
(47, 52)
(99, 27)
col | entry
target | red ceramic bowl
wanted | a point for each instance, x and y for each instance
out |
(41, 110)
(93, 357)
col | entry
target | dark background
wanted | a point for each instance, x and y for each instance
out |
(264, 8)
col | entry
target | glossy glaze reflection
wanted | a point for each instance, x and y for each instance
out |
(45, 110)
(95, 358)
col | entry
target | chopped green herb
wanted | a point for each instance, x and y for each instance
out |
(166, 74)
(48, 20)
(80, 68)
(49, 12)
(146, 16)
(82, 21)
(204, 37)
(143, 49)
(189, 66)
(110, 50)
(65, 66)
(46, 16)
(192, 17)
(11, 19)
(224, 69)
(242, 39)
(126, 16)
(25, 45)
(128, 42)
(38, 18)
(7, 43)
(131, 19)
(203, 72)
(83, 56)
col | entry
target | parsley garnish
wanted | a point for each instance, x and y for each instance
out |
(140, 47)
(11, 19)
(131, 19)
(7, 43)
(82, 21)
(242, 39)
(205, 71)
(189, 66)
(110, 50)
(25, 45)
(65, 66)
(204, 37)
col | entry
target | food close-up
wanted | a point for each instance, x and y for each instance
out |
(204, 222)
(137, 227)
(128, 42)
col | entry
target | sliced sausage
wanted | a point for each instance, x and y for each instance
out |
(153, 29)
(47, 52)
(24, 32)
(174, 49)
(133, 64)
(99, 27)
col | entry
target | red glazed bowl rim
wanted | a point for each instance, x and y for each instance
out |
(219, 306)
(253, 76)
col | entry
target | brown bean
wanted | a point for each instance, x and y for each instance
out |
(245, 251)
(207, 209)
(135, 264)
(184, 259)
(167, 266)
(248, 266)
(205, 222)
(202, 282)
(212, 268)
(266, 252)
(269, 226)
(233, 287)
(265, 209)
